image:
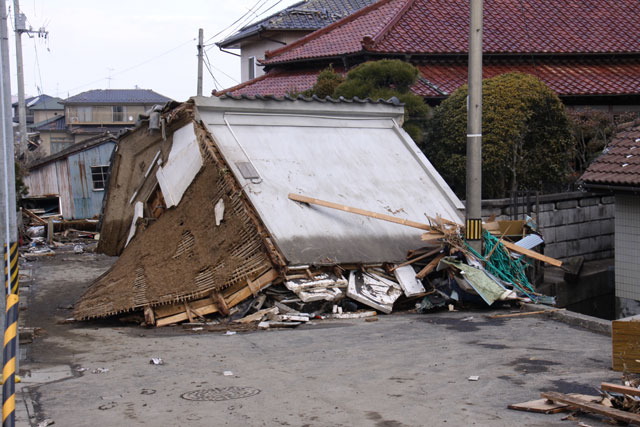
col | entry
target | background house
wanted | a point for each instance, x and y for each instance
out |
(39, 108)
(285, 27)
(618, 170)
(587, 65)
(71, 182)
(92, 113)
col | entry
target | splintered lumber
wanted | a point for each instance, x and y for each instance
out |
(617, 388)
(257, 316)
(531, 254)
(625, 340)
(34, 217)
(430, 267)
(206, 306)
(421, 257)
(525, 313)
(383, 217)
(594, 408)
(544, 406)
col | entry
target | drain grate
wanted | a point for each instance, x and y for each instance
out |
(222, 393)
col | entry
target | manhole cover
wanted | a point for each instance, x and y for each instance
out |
(222, 393)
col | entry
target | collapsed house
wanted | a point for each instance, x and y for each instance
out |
(198, 203)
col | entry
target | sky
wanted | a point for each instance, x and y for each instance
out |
(118, 44)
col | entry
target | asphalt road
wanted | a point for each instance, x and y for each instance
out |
(402, 370)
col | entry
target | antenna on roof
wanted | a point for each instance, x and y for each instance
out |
(109, 78)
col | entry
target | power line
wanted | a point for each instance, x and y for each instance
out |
(258, 17)
(135, 66)
(218, 69)
(233, 23)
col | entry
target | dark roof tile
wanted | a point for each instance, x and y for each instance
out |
(117, 96)
(620, 162)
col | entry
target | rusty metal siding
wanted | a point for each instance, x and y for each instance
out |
(87, 202)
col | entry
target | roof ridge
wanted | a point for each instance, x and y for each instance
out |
(271, 54)
(385, 30)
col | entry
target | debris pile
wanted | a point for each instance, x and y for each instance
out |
(620, 403)
(446, 273)
(42, 234)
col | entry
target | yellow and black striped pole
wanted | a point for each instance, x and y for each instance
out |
(11, 277)
(9, 368)
(11, 269)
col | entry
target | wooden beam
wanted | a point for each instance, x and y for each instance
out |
(525, 313)
(430, 267)
(617, 388)
(531, 254)
(35, 217)
(357, 211)
(595, 408)
(411, 261)
(231, 301)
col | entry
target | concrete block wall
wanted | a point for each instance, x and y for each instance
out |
(572, 224)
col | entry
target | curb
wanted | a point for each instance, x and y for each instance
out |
(594, 324)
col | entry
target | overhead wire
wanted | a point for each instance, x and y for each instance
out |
(135, 66)
(234, 22)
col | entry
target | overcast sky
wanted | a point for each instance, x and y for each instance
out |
(148, 43)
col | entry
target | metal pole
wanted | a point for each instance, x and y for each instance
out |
(474, 131)
(22, 110)
(200, 59)
(9, 228)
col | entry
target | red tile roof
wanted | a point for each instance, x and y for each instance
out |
(441, 78)
(278, 83)
(565, 77)
(620, 165)
(441, 27)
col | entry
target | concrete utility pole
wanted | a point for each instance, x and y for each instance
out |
(8, 228)
(474, 131)
(21, 27)
(200, 60)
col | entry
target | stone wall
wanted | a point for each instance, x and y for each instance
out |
(572, 224)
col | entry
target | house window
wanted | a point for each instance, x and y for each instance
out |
(252, 67)
(85, 114)
(99, 176)
(119, 113)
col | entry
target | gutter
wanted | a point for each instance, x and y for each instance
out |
(618, 188)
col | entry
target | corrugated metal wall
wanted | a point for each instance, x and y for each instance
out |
(627, 246)
(87, 202)
(52, 180)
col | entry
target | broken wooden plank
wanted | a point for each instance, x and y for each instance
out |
(531, 254)
(219, 300)
(258, 315)
(544, 406)
(618, 388)
(430, 267)
(432, 235)
(625, 344)
(34, 217)
(357, 211)
(231, 300)
(411, 261)
(594, 408)
(525, 313)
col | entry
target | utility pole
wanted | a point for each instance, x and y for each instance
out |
(21, 27)
(473, 209)
(8, 227)
(200, 60)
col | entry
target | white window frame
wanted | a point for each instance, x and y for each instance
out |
(103, 173)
